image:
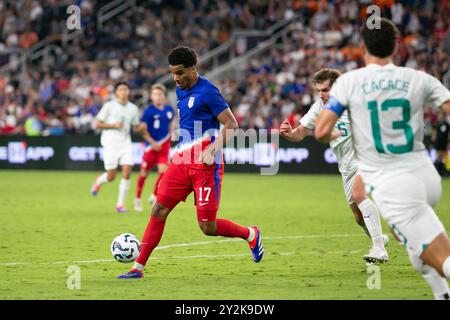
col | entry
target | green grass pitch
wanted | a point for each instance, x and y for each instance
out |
(313, 249)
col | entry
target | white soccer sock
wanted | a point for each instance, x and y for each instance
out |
(124, 186)
(372, 220)
(446, 267)
(138, 266)
(251, 235)
(102, 179)
(438, 284)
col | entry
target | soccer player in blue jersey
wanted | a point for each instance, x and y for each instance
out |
(197, 163)
(157, 119)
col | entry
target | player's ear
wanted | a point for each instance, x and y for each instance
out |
(394, 53)
(362, 48)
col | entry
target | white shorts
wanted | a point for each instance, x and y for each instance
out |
(117, 154)
(406, 202)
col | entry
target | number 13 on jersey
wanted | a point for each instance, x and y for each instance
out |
(402, 124)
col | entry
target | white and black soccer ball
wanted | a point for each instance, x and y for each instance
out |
(125, 248)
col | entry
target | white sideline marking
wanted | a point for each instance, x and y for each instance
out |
(306, 236)
(190, 244)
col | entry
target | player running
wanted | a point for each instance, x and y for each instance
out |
(157, 120)
(116, 118)
(364, 210)
(386, 105)
(197, 163)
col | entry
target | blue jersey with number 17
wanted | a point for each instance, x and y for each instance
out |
(198, 109)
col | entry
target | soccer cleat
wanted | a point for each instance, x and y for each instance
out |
(121, 209)
(152, 199)
(376, 255)
(385, 239)
(132, 274)
(256, 245)
(95, 188)
(138, 205)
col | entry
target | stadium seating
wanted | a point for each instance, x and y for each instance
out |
(62, 89)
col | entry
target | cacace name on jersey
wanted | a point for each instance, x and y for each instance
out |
(158, 122)
(114, 112)
(386, 105)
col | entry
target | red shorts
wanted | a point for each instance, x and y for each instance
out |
(180, 180)
(152, 157)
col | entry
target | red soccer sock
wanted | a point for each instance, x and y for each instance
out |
(140, 186)
(155, 189)
(152, 236)
(227, 228)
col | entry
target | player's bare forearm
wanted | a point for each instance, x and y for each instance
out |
(298, 134)
(230, 126)
(147, 137)
(324, 126)
(103, 125)
(228, 131)
(294, 135)
(171, 128)
(142, 130)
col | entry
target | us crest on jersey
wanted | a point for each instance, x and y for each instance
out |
(191, 102)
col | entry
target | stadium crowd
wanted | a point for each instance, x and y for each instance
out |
(65, 96)
(278, 87)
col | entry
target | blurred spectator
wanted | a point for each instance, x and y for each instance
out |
(64, 95)
(328, 36)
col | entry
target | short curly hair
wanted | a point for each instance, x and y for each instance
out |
(380, 42)
(182, 55)
(325, 74)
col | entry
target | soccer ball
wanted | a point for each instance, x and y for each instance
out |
(125, 248)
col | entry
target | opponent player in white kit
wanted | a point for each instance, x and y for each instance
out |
(364, 210)
(385, 104)
(116, 118)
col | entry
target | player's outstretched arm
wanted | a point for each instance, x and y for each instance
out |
(325, 125)
(294, 135)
